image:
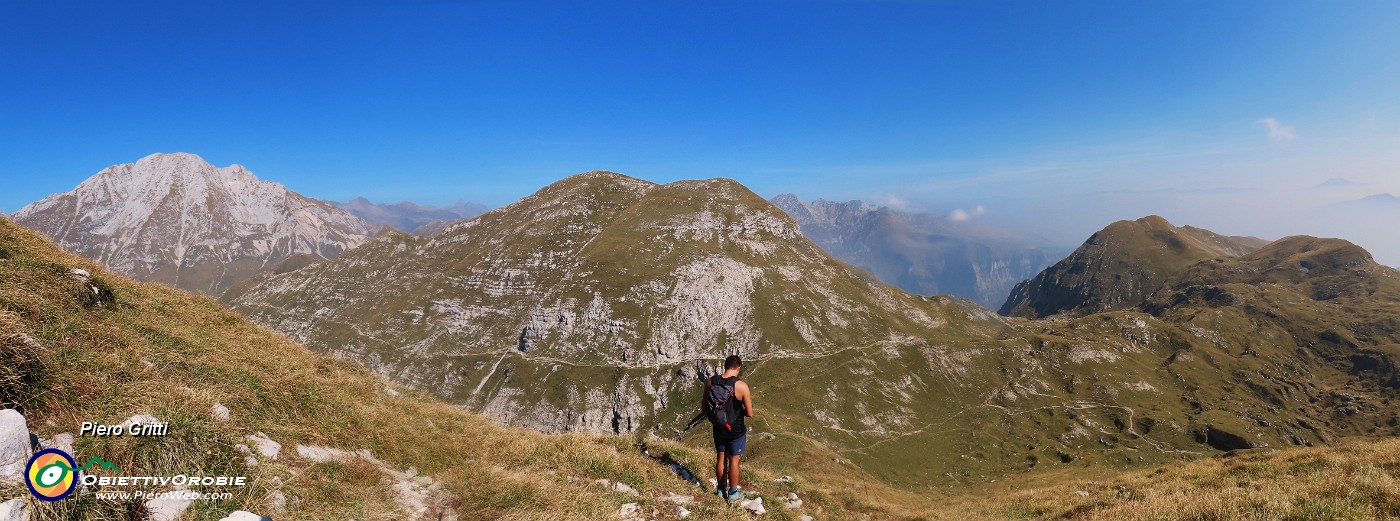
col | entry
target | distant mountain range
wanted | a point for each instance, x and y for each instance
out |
(923, 253)
(176, 219)
(1377, 199)
(410, 217)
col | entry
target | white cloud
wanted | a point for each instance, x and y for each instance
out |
(896, 202)
(1279, 131)
(961, 215)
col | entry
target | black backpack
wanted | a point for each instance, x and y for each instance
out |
(719, 400)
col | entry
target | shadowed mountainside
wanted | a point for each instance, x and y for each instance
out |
(1119, 267)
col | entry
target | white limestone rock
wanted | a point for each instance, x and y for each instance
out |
(220, 412)
(14, 510)
(266, 446)
(754, 506)
(793, 502)
(14, 447)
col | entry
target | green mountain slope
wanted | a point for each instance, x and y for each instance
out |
(1120, 266)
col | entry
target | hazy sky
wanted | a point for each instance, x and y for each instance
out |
(1057, 117)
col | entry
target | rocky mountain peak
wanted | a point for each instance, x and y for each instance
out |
(174, 218)
(598, 278)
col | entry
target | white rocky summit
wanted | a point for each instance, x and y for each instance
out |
(175, 219)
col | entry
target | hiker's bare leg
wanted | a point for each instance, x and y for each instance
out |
(719, 469)
(733, 471)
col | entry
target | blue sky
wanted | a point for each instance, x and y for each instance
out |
(1057, 117)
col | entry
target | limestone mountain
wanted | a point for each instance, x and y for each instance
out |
(1119, 267)
(923, 253)
(601, 301)
(587, 288)
(405, 216)
(175, 219)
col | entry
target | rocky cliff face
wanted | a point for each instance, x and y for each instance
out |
(175, 219)
(922, 253)
(1119, 267)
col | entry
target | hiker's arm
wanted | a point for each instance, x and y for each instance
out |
(748, 400)
(705, 404)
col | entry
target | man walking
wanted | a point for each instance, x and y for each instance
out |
(726, 403)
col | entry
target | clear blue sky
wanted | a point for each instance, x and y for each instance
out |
(932, 105)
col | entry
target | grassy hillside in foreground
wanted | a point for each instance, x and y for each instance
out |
(1355, 479)
(133, 348)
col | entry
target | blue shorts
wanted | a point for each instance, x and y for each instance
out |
(733, 447)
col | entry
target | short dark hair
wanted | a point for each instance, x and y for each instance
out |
(733, 362)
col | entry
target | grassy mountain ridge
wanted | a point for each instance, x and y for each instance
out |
(1120, 266)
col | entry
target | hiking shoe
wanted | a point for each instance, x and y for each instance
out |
(734, 495)
(719, 491)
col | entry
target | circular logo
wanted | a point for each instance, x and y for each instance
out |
(51, 474)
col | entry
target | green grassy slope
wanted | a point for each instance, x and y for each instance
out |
(1119, 266)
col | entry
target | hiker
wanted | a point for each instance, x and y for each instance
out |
(726, 403)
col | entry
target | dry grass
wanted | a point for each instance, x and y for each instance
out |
(1356, 479)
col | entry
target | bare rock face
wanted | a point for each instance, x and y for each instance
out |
(175, 219)
(14, 447)
(14, 510)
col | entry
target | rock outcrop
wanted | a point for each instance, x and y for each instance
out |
(14, 447)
